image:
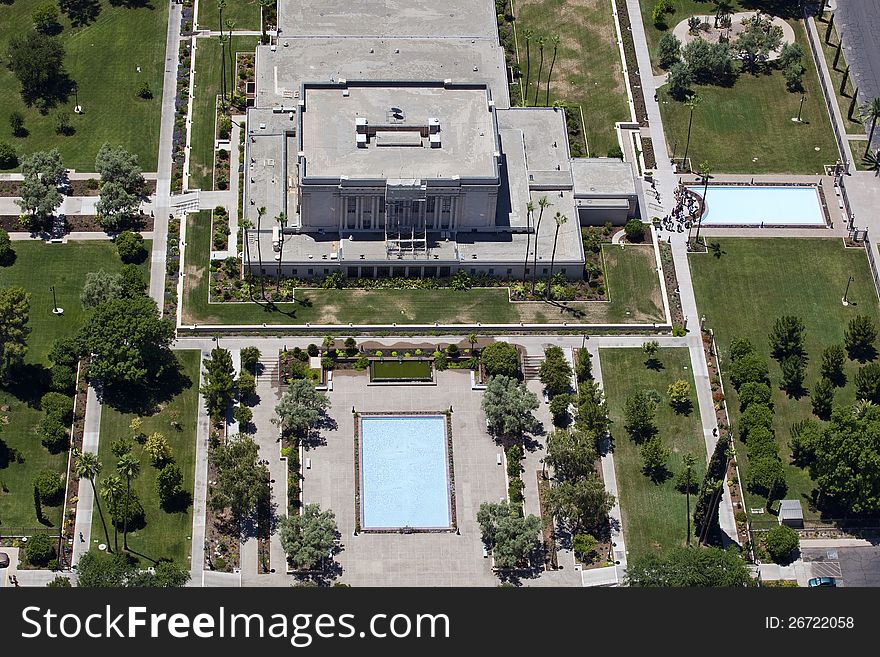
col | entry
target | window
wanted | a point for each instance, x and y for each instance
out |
(310, 272)
(352, 272)
(545, 270)
(294, 272)
(491, 271)
(509, 271)
(326, 271)
(399, 272)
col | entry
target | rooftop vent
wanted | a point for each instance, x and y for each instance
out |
(434, 140)
(433, 125)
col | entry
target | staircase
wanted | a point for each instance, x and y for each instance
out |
(531, 366)
(268, 368)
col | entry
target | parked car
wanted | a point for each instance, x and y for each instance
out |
(4, 560)
(822, 581)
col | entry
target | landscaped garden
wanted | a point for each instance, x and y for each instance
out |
(630, 272)
(207, 87)
(744, 290)
(585, 65)
(731, 92)
(115, 61)
(37, 267)
(652, 432)
(245, 14)
(166, 529)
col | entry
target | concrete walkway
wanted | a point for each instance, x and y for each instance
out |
(200, 489)
(86, 501)
(609, 475)
(163, 176)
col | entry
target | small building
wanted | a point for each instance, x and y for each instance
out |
(791, 513)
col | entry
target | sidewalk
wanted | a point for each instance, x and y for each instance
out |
(86, 502)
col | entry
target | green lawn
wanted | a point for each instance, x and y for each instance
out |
(635, 299)
(752, 119)
(654, 514)
(751, 285)
(39, 265)
(245, 13)
(102, 58)
(165, 535)
(207, 87)
(587, 71)
(853, 126)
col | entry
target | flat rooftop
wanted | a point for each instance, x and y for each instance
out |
(406, 18)
(602, 176)
(398, 145)
(281, 72)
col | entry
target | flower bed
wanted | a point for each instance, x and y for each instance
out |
(219, 228)
(172, 267)
(181, 106)
(632, 65)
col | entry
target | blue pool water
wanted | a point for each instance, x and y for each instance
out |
(404, 480)
(750, 206)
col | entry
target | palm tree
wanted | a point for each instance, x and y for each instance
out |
(704, 171)
(530, 208)
(543, 203)
(113, 491)
(222, 73)
(230, 25)
(692, 101)
(260, 212)
(264, 5)
(560, 222)
(129, 467)
(541, 42)
(689, 481)
(555, 39)
(871, 112)
(281, 219)
(221, 5)
(87, 466)
(527, 34)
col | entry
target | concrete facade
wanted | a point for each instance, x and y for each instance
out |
(382, 147)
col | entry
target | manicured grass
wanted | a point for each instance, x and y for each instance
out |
(165, 535)
(654, 514)
(754, 282)
(38, 266)
(245, 13)
(392, 370)
(636, 299)
(587, 71)
(102, 58)
(852, 125)
(207, 87)
(752, 119)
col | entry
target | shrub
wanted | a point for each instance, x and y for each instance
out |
(130, 247)
(514, 461)
(440, 361)
(50, 487)
(500, 358)
(243, 414)
(362, 363)
(57, 406)
(313, 350)
(781, 541)
(754, 416)
(515, 492)
(584, 546)
(8, 156)
(668, 50)
(635, 230)
(250, 356)
(767, 477)
(749, 368)
(860, 337)
(583, 365)
(762, 443)
(754, 393)
(555, 372)
(559, 410)
(7, 253)
(452, 350)
(144, 92)
(53, 434)
(679, 393)
(40, 550)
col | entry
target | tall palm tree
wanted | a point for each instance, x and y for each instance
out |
(113, 491)
(264, 5)
(222, 73)
(561, 219)
(260, 212)
(87, 466)
(705, 171)
(129, 467)
(555, 40)
(527, 34)
(692, 101)
(541, 41)
(221, 5)
(530, 208)
(689, 481)
(871, 112)
(281, 219)
(230, 25)
(543, 203)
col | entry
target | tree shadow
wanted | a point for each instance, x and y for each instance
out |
(683, 409)
(717, 251)
(179, 503)
(863, 354)
(55, 91)
(796, 392)
(653, 363)
(83, 12)
(658, 475)
(29, 383)
(145, 399)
